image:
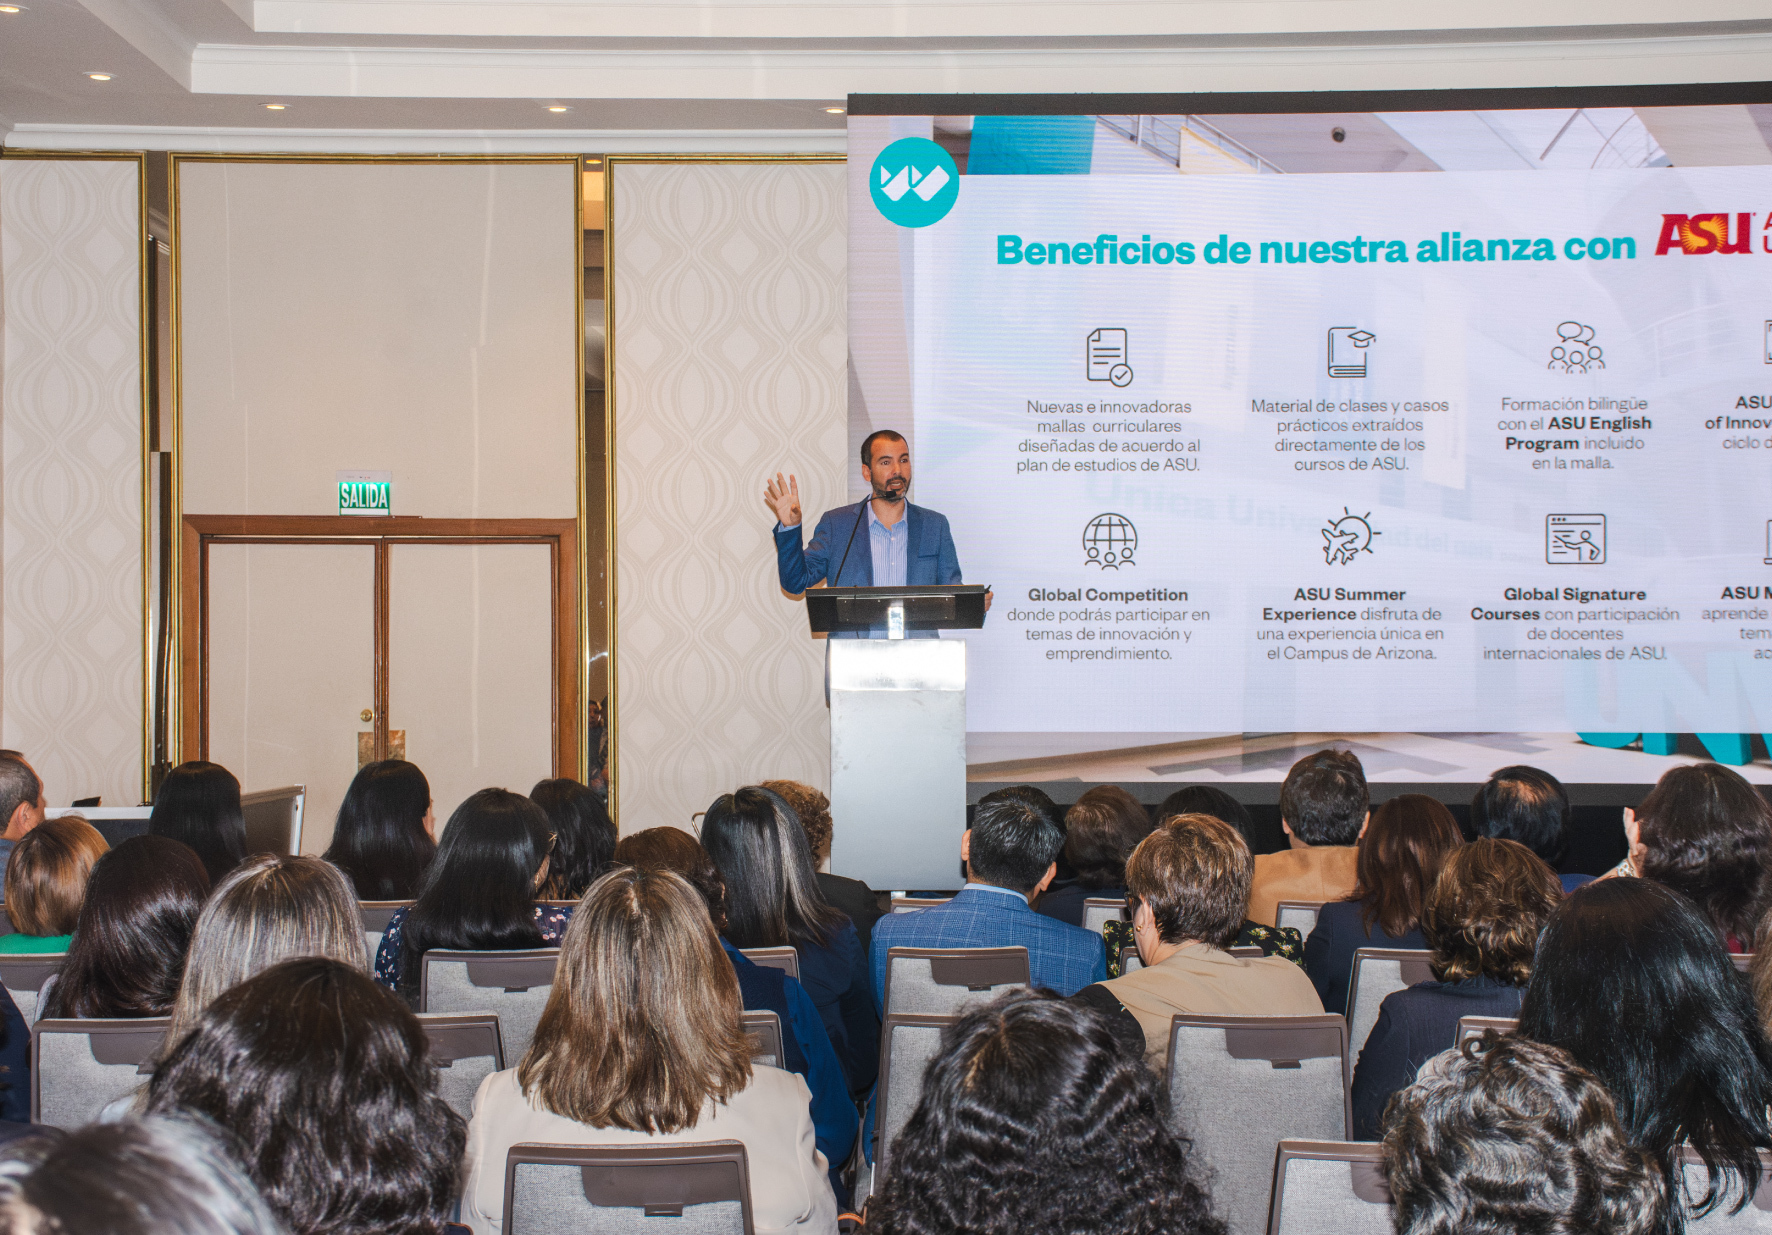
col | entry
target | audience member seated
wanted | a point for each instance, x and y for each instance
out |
(1509, 1135)
(46, 879)
(806, 1046)
(772, 901)
(813, 809)
(1100, 833)
(1399, 855)
(1186, 885)
(584, 838)
(1008, 852)
(271, 908)
(127, 956)
(1034, 1120)
(1527, 805)
(1323, 805)
(1707, 834)
(325, 1083)
(134, 1177)
(1631, 980)
(1482, 921)
(21, 801)
(386, 834)
(199, 804)
(641, 1043)
(480, 893)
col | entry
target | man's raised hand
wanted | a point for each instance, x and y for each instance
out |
(783, 497)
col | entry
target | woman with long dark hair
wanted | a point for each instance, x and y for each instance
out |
(384, 838)
(134, 929)
(584, 837)
(1400, 854)
(1707, 834)
(1032, 1120)
(480, 893)
(773, 901)
(199, 805)
(1631, 979)
(325, 1083)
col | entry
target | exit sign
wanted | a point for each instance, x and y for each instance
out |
(365, 493)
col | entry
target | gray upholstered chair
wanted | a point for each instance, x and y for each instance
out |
(375, 916)
(1098, 911)
(785, 959)
(1755, 1217)
(466, 1050)
(764, 1030)
(699, 1188)
(943, 980)
(1330, 1188)
(24, 976)
(1473, 1026)
(1378, 972)
(1239, 1085)
(1299, 915)
(908, 1041)
(82, 1066)
(515, 985)
(904, 904)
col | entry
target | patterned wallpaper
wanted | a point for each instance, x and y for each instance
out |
(70, 433)
(728, 352)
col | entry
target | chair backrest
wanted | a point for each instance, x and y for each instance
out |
(1744, 961)
(23, 977)
(1755, 1217)
(1330, 1186)
(763, 1028)
(375, 915)
(1378, 972)
(1239, 1085)
(81, 1066)
(904, 904)
(1098, 911)
(942, 980)
(1473, 1026)
(1247, 951)
(273, 819)
(1130, 959)
(908, 1041)
(466, 1050)
(698, 1188)
(1300, 915)
(516, 985)
(784, 958)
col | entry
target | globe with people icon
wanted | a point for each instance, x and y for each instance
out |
(1109, 541)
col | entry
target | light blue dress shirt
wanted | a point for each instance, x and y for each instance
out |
(891, 549)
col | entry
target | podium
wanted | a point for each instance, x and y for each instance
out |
(898, 730)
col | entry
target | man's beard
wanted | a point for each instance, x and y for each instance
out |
(890, 494)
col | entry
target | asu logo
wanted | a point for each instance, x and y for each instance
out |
(1705, 233)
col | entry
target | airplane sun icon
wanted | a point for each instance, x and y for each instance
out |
(1347, 537)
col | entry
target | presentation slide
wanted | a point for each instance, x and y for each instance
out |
(1448, 430)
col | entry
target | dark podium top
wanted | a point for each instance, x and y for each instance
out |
(866, 610)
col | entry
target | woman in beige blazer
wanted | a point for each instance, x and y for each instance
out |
(641, 1043)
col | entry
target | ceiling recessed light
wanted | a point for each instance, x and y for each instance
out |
(99, 76)
(833, 111)
(276, 106)
(557, 110)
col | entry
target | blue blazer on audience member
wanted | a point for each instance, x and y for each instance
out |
(1329, 952)
(1413, 1026)
(1064, 957)
(806, 1047)
(836, 978)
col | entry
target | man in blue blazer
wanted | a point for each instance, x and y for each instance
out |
(884, 541)
(1010, 854)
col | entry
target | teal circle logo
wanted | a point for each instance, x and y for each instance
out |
(914, 182)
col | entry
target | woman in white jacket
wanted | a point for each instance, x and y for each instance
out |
(641, 1044)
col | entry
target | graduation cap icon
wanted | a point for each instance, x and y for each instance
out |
(1360, 338)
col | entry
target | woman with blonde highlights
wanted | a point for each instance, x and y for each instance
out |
(641, 1042)
(46, 880)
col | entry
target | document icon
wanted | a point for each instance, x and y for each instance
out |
(1347, 350)
(1106, 353)
(1575, 540)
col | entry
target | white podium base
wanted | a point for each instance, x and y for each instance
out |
(898, 761)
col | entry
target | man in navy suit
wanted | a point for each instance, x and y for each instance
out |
(884, 541)
(1010, 854)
